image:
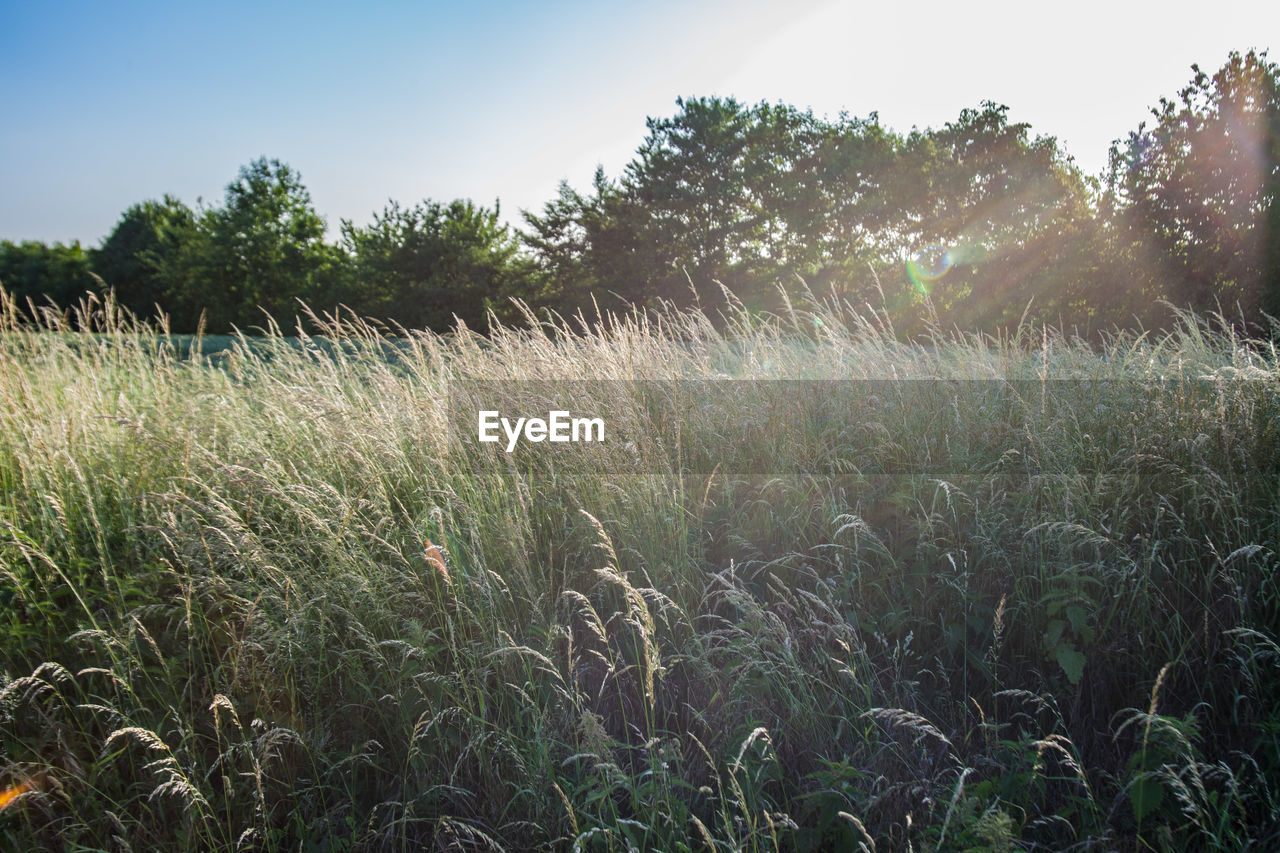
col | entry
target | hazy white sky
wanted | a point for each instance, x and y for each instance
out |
(110, 104)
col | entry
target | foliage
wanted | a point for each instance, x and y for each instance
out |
(1196, 196)
(255, 256)
(766, 197)
(720, 195)
(145, 242)
(1012, 211)
(978, 224)
(46, 274)
(424, 266)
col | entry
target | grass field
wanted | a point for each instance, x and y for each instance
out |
(1023, 597)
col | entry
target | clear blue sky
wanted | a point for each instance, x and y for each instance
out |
(107, 104)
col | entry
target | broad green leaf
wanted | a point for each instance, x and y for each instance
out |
(1145, 795)
(1071, 661)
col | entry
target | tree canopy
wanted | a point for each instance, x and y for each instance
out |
(144, 244)
(977, 224)
(1194, 195)
(426, 265)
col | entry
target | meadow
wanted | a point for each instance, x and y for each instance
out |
(259, 593)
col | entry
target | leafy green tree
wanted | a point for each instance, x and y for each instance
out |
(1011, 211)
(425, 265)
(692, 176)
(843, 221)
(762, 196)
(262, 250)
(564, 242)
(40, 273)
(133, 256)
(715, 195)
(593, 248)
(718, 194)
(1195, 197)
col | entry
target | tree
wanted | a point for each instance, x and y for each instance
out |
(143, 243)
(425, 265)
(718, 194)
(44, 273)
(563, 242)
(762, 196)
(1195, 197)
(1007, 213)
(845, 226)
(261, 251)
(713, 195)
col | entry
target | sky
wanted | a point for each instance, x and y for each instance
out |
(109, 104)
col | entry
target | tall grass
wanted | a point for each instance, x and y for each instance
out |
(264, 598)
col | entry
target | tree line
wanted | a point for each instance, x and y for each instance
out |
(976, 224)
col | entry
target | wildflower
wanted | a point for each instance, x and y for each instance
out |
(436, 559)
(10, 794)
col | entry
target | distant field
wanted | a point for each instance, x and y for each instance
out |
(964, 594)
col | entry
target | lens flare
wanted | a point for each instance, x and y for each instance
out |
(928, 265)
